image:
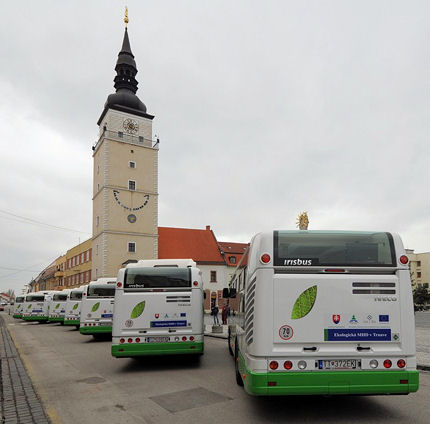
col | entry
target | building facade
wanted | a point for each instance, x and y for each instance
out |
(419, 264)
(125, 177)
(78, 264)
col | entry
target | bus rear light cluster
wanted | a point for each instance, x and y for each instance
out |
(265, 258)
(119, 285)
(273, 365)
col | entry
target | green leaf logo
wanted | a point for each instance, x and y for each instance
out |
(57, 306)
(304, 303)
(137, 310)
(75, 306)
(29, 306)
(95, 307)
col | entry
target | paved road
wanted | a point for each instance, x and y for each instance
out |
(80, 382)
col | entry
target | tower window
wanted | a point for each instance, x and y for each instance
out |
(120, 134)
(141, 139)
(131, 185)
(97, 221)
(132, 164)
(132, 247)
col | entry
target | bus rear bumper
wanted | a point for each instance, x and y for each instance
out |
(95, 330)
(330, 383)
(147, 349)
(56, 319)
(71, 321)
(17, 316)
(35, 318)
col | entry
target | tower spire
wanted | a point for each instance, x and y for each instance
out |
(126, 16)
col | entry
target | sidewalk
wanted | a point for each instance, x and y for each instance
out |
(19, 401)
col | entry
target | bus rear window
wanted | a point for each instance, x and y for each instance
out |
(35, 298)
(160, 277)
(322, 248)
(101, 291)
(60, 297)
(75, 295)
(19, 299)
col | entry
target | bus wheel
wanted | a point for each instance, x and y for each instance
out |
(229, 343)
(239, 380)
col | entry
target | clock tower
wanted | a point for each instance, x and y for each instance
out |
(125, 178)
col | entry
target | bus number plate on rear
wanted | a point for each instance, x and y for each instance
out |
(157, 339)
(339, 364)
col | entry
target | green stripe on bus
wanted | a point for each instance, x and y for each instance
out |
(95, 330)
(329, 382)
(142, 349)
(56, 319)
(41, 318)
(72, 322)
(17, 315)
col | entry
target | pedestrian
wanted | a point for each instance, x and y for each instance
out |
(215, 311)
(224, 314)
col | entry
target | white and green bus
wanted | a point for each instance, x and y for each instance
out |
(97, 307)
(323, 312)
(158, 309)
(17, 307)
(57, 307)
(36, 306)
(72, 315)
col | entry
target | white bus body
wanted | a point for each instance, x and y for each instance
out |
(158, 309)
(97, 307)
(57, 306)
(324, 312)
(36, 306)
(18, 306)
(73, 306)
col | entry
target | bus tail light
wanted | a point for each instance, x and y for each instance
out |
(373, 363)
(184, 338)
(302, 365)
(119, 285)
(404, 259)
(192, 338)
(273, 365)
(130, 340)
(387, 363)
(122, 340)
(401, 363)
(288, 365)
(195, 283)
(137, 340)
(265, 258)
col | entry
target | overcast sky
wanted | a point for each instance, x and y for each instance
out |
(263, 109)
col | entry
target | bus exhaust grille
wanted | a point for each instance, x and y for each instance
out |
(249, 315)
(374, 288)
(176, 299)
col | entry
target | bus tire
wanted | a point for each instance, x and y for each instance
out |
(229, 343)
(239, 380)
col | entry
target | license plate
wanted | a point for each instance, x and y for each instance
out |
(157, 339)
(105, 323)
(339, 364)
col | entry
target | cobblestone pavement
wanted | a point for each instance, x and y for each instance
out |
(19, 401)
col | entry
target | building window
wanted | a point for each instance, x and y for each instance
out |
(141, 139)
(213, 276)
(120, 134)
(131, 185)
(97, 221)
(98, 169)
(418, 263)
(232, 259)
(88, 255)
(97, 249)
(132, 164)
(97, 273)
(418, 274)
(426, 285)
(132, 247)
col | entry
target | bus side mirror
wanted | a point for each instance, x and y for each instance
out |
(233, 293)
(225, 293)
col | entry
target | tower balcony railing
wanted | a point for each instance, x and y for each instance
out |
(127, 138)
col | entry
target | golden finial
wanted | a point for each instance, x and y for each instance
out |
(303, 221)
(126, 16)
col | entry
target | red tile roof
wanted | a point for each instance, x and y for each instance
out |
(231, 249)
(184, 243)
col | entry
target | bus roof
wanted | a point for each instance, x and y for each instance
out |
(153, 263)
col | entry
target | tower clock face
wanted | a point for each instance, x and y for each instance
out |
(130, 126)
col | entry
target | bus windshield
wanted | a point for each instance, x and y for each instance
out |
(76, 295)
(60, 297)
(94, 291)
(157, 277)
(35, 298)
(336, 248)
